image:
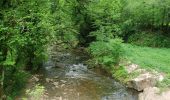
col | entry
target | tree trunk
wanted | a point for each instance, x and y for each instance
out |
(2, 95)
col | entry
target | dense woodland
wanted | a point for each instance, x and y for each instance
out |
(28, 27)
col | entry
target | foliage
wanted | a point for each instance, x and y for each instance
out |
(105, 14)
(106, 18)
(148, 13)
(24, 36)
(27, 27)
(65, 28)
(107, 53)
(146, 16)
(149, 39)
(14, 82)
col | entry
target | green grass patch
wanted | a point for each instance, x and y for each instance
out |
(149, 58)
(122, 75)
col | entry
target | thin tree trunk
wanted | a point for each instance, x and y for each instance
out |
(2, 70)
(2, 85)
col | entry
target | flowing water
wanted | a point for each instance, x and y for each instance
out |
(66, 77)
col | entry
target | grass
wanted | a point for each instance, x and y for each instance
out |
(150, 58)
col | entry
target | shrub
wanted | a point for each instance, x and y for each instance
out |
(106, 53)
(149, 39)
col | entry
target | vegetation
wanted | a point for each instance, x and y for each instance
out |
(27, 27)
(23, 38)
(106, 53)
(151, 59)
(36, 93)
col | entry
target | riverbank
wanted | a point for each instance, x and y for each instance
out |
(144, 69)
(151, 59)
(67, 72)
(66, 77)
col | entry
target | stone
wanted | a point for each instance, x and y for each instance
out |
(55, 83)
(141, 71)
(56, 77)
(131, 68)
(142, 81)
(63, 81)
(36, 79)
(48, 80)
(153, 93)
(62, 85)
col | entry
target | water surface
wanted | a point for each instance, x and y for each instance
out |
(66, 77)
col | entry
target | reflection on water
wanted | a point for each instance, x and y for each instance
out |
(65, 77)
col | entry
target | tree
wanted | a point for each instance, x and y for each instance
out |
(24, 36)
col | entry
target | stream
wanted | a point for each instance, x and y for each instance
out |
(65, 76)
